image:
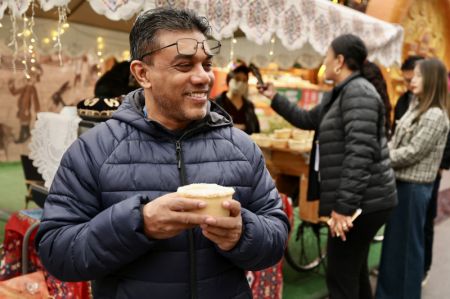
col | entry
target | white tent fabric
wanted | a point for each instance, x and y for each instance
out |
(303, 28)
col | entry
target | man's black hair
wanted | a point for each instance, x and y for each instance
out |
(410, 62)
(143, 35)
(352, 48)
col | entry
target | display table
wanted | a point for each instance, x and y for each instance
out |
(289, 168)
(53, 133)
(19, 225)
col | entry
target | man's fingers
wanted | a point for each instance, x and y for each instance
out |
(224, 243)
(224, 222)
(183, 204)
(234, 206)
(188, 218)
(221, 231)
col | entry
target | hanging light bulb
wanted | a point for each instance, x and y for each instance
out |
(272, 46)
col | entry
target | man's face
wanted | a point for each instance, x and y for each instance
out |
(407, 76)
(179, 84)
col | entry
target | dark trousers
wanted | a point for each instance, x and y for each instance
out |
(347, 271)
(429, 225)
(402, 257)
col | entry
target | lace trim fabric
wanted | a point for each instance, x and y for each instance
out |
(52, 135)
(304, 28)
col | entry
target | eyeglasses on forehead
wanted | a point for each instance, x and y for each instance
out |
(189, 46)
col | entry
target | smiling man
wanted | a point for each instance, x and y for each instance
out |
(112, 215)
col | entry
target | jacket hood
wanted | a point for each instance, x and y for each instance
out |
(131, 112)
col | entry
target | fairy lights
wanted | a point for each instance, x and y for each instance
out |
(126, 55)
(14, 42)
(100, 47)
(24, 34)
(62, 19)
(272, 46)
(232, 45)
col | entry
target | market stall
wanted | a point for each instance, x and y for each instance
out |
(285, 32)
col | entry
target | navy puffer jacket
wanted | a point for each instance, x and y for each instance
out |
(92, 227)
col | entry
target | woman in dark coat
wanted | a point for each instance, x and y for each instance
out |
(352, 162)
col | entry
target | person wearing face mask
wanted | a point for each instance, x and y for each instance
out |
(236, 103)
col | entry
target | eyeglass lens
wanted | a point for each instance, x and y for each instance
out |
(188, 46)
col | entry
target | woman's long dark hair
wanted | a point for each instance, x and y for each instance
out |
(373, 74)
(434, 80)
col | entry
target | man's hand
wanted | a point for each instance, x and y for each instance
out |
(340, 224)
(225, 231)
(169, 215)
(267, 90)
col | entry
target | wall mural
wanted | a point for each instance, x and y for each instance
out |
(49, 87)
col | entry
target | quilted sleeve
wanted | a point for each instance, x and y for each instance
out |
(77, 238)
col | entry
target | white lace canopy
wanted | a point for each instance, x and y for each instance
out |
(304, 28)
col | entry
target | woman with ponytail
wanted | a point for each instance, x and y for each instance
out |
(350, 163)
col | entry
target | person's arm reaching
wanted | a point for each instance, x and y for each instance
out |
(298, 117)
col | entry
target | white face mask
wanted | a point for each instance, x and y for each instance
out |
(238, 87)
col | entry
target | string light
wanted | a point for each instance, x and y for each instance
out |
(272, 46)
(13, 42)
(26, 50)
(100, 47)
(232, 44)
(62, 19)
(30, 32)
(126, 55)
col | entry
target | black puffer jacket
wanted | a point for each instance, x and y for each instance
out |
(354, 163)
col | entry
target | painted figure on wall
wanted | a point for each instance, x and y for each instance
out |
(57, 102)
(79, 69)
(28, 99)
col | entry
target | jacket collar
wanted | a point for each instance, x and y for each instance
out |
(338, 88)
(130, 112)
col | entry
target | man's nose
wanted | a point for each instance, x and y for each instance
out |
(200, 75)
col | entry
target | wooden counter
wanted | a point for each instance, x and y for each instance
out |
(288, 168)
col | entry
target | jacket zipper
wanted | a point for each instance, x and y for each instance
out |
(192, 257)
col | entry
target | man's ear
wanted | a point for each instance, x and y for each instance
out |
(140, 73)
(341, 60)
